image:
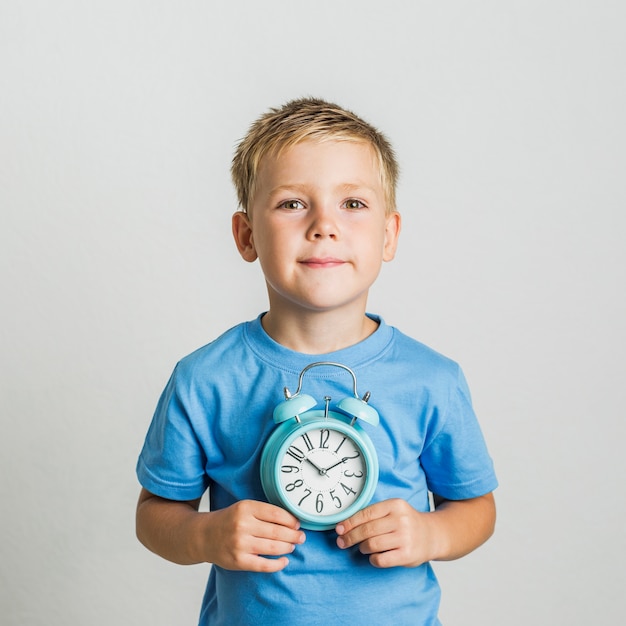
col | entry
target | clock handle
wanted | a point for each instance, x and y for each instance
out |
(353, 406)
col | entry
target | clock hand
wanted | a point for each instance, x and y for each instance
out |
(345, 458)
(319, 469)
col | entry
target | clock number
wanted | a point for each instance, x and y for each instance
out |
(295, 485)
(319, 502)
(348, 490)
(306, 495)
(335, 498)
(353, 474)
(296, 453)
(341, 444)
(288, 469)
(307, 441)
(324, 436)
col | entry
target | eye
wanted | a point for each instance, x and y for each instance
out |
(291, 204)
(353, 203)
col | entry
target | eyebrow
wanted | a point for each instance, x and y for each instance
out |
(344, 187)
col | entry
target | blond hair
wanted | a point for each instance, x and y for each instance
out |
(301, 120)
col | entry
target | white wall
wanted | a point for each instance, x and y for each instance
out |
(117, 124)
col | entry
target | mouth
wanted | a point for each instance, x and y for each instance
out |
(322, 263)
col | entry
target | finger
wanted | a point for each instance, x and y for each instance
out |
(381, 540)
(268, 547)
(363, 526)
(264, 564)
(390, 558)
(370, 537)
(275, 515)
(257, 554)
(363, 516)
(397, 552)
(281, 535)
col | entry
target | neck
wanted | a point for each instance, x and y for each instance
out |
(317, 332)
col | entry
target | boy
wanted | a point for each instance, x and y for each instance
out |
(316, 186)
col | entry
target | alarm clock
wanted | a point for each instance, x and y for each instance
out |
(319, 464)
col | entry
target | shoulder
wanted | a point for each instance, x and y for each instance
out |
(217, 346)
(215, 356)
(222, 349)
(423, 360)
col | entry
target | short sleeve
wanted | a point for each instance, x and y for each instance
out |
(456, 460)
(172, 462)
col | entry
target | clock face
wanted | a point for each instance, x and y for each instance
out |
(322, 471)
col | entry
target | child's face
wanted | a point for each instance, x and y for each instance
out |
(318, 226)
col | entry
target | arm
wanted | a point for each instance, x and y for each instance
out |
(233, 538)
(394, 534)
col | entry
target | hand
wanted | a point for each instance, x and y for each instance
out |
(345, 458)
(245, 534)
(319, 469)
(392, 532)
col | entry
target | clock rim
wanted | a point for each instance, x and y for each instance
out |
(285, 434)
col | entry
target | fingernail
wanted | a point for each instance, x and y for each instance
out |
(340, 542)
(339, 529)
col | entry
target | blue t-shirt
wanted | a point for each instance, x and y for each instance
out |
(215, 415)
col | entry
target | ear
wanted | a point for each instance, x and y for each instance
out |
(393, 225)
(242, 232)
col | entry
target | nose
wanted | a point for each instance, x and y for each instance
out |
(323, 223)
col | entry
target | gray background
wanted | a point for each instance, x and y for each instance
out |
(118, 120)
